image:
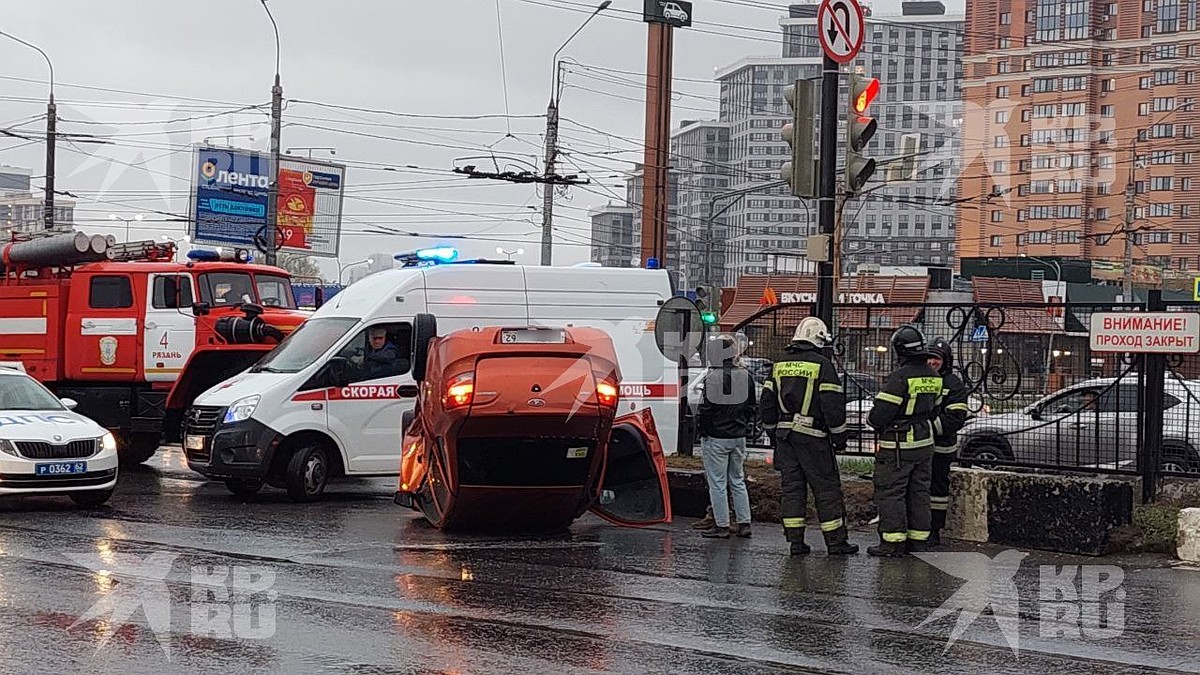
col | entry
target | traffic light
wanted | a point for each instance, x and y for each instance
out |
(860, 128)
(801, 172)
(705, 299)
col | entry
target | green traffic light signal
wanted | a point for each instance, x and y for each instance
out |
(708, 317)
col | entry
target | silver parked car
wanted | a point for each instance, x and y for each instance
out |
(1093, 424)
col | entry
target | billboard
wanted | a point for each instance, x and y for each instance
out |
(230, 193)
(1148, 275)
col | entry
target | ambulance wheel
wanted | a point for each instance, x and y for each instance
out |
(90, 499)
(137, 449)
(307, 473)
(424, 330)
(243, 487)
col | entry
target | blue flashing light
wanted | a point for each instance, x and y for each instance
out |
(441, 254)
(204, 255)
(428, 256)
(651, 263)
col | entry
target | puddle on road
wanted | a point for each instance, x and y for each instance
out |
(498, 545)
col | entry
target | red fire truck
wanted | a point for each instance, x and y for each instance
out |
(120, 328)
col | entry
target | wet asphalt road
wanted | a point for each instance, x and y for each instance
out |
(358, 585)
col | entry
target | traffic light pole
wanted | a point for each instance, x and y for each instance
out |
(826, 195)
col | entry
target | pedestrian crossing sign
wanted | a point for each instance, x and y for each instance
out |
(980, 334)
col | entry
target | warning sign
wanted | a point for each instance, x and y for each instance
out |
(1157, 332)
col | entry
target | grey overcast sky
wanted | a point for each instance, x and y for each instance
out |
(194, 63)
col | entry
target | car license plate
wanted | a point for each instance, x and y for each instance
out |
(533, 336)
(60, 468)
(194, 443)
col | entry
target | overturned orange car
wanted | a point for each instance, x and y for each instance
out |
(516, 429)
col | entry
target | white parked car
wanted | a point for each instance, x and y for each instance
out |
(47, 448)
(1093, 424)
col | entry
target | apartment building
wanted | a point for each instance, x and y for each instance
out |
(1081, 130)
(916, 56)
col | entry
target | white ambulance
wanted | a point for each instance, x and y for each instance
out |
(329, 400)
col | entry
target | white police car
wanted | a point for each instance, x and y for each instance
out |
(45, 448)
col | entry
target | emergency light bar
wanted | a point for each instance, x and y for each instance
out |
(219, 255)
(427, 256)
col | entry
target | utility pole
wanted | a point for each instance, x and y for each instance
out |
(827, 188)
(548, 188)
(273, 194)
(1130, 205)
(51, 148)
(552, 142)
(276, 115)
(655, 174)
(51, 135)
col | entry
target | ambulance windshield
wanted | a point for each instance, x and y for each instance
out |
(312, 339)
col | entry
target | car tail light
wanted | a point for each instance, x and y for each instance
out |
(606, 392)
(460, 391)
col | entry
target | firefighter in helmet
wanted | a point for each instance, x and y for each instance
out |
(804, 411)
(950, 417)
(902, 416)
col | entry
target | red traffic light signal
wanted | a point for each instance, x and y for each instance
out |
(864, 93)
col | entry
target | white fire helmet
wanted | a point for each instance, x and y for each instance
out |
(813, 331)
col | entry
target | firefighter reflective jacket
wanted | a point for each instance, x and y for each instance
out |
(804, 395)
(951, 415)
(904, 409)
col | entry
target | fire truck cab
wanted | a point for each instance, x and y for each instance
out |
(115, 329)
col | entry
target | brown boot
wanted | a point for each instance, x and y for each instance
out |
(707, 522)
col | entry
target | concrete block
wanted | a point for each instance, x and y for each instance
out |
(1069, 514)
(1059, 513)
(1188, 536)
(689, 492)
(967, 517)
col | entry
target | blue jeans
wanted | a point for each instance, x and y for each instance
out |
(723, 459)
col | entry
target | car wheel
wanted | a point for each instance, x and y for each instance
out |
(1180, 458)
(90, 499)
(137, 449)
(307, 473)
(983, 453)
(424, 330)
(243, 487)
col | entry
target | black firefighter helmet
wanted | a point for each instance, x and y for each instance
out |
(941, 349)
(908, 342)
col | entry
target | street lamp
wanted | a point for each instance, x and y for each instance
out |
(342, 268)
(276, 114)
(186, 240)
(501, 250)
(139, 218)
(552, 141)
(1057, 284)
(309, 151)
(51, 138)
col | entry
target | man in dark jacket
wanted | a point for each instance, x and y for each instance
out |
(727, 416)
(902, 416)
(382, 358)
(803, 408)
(949, 419)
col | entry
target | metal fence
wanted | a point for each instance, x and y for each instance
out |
(1039, 396)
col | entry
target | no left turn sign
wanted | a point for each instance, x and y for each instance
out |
(840, 25)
